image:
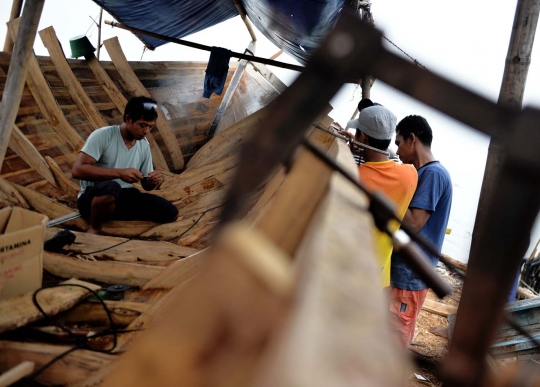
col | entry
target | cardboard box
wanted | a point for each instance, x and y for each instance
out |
(21, 251)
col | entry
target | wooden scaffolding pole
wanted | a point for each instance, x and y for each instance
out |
(518, 60)
(18, 69)
(16, 8)
(246, 21)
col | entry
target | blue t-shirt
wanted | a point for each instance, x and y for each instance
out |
(433, 194)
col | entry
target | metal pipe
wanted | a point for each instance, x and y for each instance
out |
(359, 144)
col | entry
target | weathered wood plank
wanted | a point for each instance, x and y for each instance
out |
(117, 55)
(28, 152)
(70, 188)
(130, 251)
(439, 308)
(270, 77)
(10, 193)
(19, 311)
(45, 99)
(102, 271)
(77, 93)
(76, 366)
(120, 102)
(49, 207)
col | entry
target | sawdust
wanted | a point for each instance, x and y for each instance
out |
(426, 344)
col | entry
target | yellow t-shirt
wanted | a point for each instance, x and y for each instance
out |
(398, 182)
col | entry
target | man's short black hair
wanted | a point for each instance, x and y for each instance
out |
(364, 103)
(141, 107)
(374, 142)
(418, 126)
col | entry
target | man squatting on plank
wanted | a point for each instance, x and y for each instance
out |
(112, 159)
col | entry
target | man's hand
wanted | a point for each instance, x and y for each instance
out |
(347, 134)
(153, 180)
(130, 175)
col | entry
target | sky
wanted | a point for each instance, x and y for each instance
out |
(464, 43)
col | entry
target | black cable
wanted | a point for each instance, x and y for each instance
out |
(194, 223)
(83, 342)
(108, 248)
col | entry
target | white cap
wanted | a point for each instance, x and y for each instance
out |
(375, 121)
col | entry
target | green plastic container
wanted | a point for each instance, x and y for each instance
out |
(80, 46)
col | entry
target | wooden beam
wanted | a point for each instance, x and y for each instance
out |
(276, 55)
(17, 72)
(49, 207)
(16, 373)
(128, 251)
(19, 311)
(74, 88)
(120, 62)
(439, 308)
(92, 313)
(338, 288)
(120, 102)
(102, 271)
(269, 76)
(22, 146)
(16, 7)
(246, 288)
(76, 366)
(70, 188)
(246, 21)
(238, 73)
(45, 99)
(9, 192)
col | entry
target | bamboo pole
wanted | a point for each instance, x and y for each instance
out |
(203, 47)
(246, 21)
(18, 68)
(276, 55)
(511, 93)
(16, 8)
(99, 33)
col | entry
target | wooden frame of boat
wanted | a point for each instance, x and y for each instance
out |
(287, 296)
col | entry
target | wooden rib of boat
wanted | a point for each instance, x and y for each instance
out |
(279, 298)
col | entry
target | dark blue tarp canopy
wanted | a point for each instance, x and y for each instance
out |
(295, 26)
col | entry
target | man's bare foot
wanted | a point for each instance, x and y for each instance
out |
(92, 230)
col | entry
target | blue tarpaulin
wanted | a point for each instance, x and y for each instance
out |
(295, 26)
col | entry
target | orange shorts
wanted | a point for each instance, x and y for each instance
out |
(405, 306)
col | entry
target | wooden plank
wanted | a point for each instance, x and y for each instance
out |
(16, 373)
(120, 62)
(102, 271)
(247, 288)
(17, 73)
(439, 308)
(45, 99)
(22, 146)
(70, 188)
(259, 209)
(179, 272)
(76, 366)
(9, 192)
(227, 142)
(238, 73)
(270, 77)
(120, 102)
(127, 251)
(74, 88)
(93, 313)
(287, 219)
(338, 289)
(19, 311)
(49, 207)
(182, 227)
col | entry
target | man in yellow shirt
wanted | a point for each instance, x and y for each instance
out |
(375, 127)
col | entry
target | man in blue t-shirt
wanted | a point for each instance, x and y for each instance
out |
(111, 161)
(428, 213)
